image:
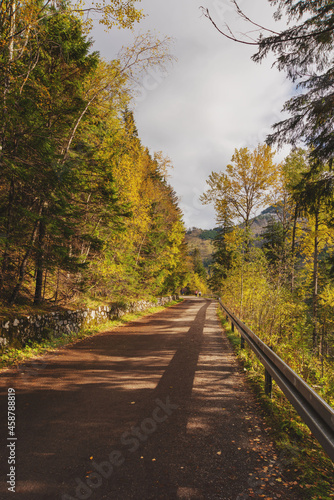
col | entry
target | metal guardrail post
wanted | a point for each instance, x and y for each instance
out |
(268, 383)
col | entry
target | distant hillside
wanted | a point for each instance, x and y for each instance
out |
(203, 238)
(208, 234)
(194, 239)
(259, 223)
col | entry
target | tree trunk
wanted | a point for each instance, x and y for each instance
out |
(23, 266)
(5, 257)
(57, 287)
(315, 283)
(40, 264)
(242, 291)
(3, 137)
(293, 249)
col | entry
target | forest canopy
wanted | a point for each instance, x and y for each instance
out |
(85, 208)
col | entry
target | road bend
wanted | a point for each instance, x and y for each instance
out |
(156, 409)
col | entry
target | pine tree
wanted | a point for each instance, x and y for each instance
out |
(305, 51)
(222, 259)
(314, 195)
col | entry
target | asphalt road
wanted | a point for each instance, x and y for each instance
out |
(157, 409)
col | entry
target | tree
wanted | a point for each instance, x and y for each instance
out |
(295, 165)
(19, 37)
(280, 234)
(245, 187)
(59, 104)
(273, 245)
(222, 257)
(149, 256)
(41, 121)
(198, 263)
(314, 195)
(304, 51)
(20, 18)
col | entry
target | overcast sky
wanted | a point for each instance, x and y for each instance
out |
(214, 98)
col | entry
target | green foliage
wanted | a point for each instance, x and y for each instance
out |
(304, 51)
(273, 240)
(84, 208)
(222, 260)
(198, 266)
(298, 449)
(208, 234)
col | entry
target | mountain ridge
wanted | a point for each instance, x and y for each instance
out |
(203, 238)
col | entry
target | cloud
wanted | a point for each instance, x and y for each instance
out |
(215, 99)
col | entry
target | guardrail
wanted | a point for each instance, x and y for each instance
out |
(314, 411)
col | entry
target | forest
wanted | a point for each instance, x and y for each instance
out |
(281, 283)
(87, 213)
(86, 210)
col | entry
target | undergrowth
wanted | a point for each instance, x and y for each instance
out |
(300, 452)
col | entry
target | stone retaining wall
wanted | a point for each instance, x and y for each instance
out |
(38, 327)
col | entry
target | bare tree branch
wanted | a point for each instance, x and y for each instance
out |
(246, 18)
(232, 37)
(274, 40)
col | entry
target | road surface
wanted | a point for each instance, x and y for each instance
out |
(157, 409)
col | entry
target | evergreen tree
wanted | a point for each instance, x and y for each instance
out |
(273, 241)
(198, 266)
(45, 110)
(314, 194)
(305, 51)
(222, 256)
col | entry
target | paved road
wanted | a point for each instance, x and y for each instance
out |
(157, 409)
